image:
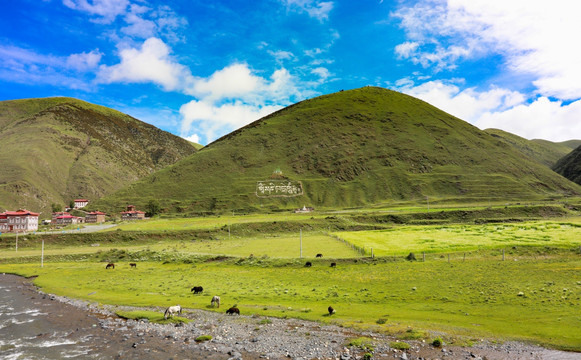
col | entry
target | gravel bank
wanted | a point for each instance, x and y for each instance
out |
(244, 337)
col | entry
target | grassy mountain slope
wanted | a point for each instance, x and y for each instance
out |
(573, 144)
(543, 151)
(570, 166)
(352, 148)
(56, 149)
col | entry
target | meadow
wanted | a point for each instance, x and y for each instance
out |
(532, 294)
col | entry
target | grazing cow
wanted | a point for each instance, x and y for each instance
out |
(172, 310)
(333, 264)
(319, 255)
(110, 266)
(215, 301)
(232, 311)
(331, 310)
(197, 289)
(133, 265)
(308, 264)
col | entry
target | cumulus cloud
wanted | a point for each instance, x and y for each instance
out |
(541, 119)
(233, 97)
(500, 108)
(84, 61)
(214, 119)
(316, 9)
(152, 62)
(534, 39)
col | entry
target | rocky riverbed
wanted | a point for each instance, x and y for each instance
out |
(103, 335)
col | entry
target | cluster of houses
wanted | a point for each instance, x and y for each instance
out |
(27, 221)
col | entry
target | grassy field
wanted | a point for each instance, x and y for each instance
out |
(533, 295)
(402, 240)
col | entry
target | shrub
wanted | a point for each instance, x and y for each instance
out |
(437, 342)
(364, 343)
(203, 338)
(381, 321)
(367, 356)
(399, 345)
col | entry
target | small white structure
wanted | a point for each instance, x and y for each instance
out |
(81, 203)
(304, 209)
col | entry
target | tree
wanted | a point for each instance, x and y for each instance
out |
(56, 207)
(153, 208)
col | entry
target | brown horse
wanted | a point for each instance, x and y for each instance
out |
(133, 265)
(110, 266)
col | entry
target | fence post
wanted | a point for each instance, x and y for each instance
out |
(424, 256)
(372, 253)
(448, 257)
(464, 257)
(502, 254)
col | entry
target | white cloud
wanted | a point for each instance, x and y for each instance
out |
(195, 138)
(535, 39)
(233, 81)
(542, 119)
(150, 63)
(29, 67)
(84, 61)
(500, 108)
(108, 10)
(315, 9)
(215, 120)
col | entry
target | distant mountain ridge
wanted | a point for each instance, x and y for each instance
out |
(570, 166)
(53, 150)
(352, 148)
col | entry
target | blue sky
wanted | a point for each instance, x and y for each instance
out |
(201, 69)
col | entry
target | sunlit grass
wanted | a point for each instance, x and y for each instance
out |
(453, 238)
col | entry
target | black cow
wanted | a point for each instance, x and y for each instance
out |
(333, 264)
(331, 310)
(233, 310)
(319, 255)
(197, 289)
(308, 264)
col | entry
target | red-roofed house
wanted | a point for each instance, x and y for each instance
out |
(81, 203)
(95, 217)
(68, 220)
(57, 214)
(18, 221)
(132, 214)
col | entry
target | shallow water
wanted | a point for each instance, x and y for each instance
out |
(26, 331)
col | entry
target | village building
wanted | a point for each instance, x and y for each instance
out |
(57, 214)
(69, 220)
(18, 221)
(95, 217)
(80, 203)
(132, 214)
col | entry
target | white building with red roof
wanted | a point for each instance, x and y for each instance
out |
(18, 221)
(81, 203)
(68, 220)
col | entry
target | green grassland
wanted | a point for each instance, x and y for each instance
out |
(529, 299)
(75, 149)
(354, 148)
(454, 238)
(534, 294)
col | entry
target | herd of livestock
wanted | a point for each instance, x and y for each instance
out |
(177, 309)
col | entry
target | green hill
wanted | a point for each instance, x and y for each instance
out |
(570, 166)
(543, 151)
(352, 148)
(56, 149)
